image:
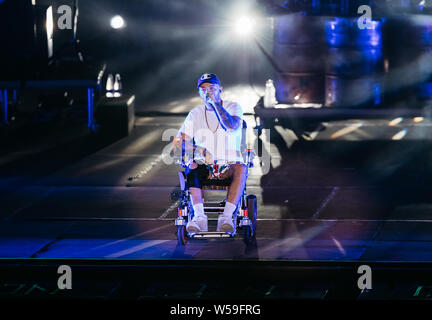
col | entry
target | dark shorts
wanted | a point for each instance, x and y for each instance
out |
(196, 177)
(208, 174)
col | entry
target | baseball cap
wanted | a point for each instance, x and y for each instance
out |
(208, 77)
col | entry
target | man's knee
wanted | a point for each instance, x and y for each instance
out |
(195, 191)
(192, 166)
(195, 176)
(239, 169)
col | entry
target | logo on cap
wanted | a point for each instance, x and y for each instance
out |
(205, 76)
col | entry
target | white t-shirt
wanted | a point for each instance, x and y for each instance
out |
(224, 146)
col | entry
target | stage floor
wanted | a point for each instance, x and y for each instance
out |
(356, 191)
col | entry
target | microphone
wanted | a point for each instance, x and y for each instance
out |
(209, 100)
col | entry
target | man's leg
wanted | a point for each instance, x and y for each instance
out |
(238, 174)
(197, 200)
(199, 221)
(194, 176)
(196, 194)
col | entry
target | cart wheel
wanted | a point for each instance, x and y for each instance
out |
(181, 235)
(249, 232)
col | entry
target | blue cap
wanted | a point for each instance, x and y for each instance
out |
(208, 77)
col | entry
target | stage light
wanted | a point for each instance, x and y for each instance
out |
(244, 26)
(422, 5)
(117, 22)
(49, 22)
(50, 30)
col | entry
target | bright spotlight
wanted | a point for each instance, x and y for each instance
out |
(117, 22)
(244, 26)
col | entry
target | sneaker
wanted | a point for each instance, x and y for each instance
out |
(197, 224)
(225, 224)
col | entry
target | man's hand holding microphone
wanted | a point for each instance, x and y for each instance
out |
(210, 100)
(212, 103)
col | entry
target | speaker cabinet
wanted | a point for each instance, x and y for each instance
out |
(116, 116)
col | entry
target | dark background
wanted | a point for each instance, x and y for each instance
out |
(167, 45)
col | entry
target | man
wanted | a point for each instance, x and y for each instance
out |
(213, 132)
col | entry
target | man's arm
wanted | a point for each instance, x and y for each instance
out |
(226, 120)
(189, 146)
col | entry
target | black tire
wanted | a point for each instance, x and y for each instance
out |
(182, 235)
(249, 232)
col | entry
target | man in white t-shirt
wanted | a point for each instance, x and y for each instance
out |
(214, 132)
